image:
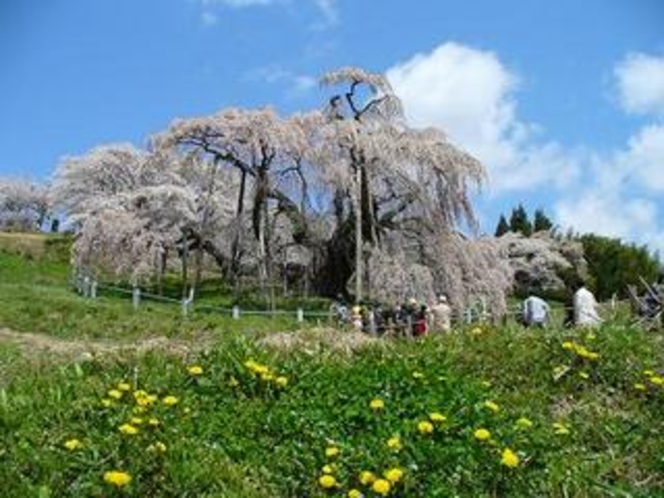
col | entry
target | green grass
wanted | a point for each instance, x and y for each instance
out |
(234, 434)
(261, 428)
(36, 297)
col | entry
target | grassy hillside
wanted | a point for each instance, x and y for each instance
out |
(36, 297)
(481, 412)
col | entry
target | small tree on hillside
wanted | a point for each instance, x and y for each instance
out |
(502, 227)
(541, 221)
(24, 205)
(519, 221)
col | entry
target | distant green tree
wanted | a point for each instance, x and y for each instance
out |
(502, 227)
(614, 264)
(541, 221)
(519, 221)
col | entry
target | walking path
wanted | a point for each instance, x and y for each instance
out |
(86, 349)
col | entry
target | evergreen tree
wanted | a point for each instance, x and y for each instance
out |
(519, 221)
(503, 227)
(541, 221)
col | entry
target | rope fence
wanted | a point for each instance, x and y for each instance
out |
(89, 287)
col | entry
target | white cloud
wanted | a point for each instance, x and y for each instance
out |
(616, 195)
(470, 94)
(296, 84)
(640, 81)
(620, 196)
(645, 157)
(327, 9)
(611, 215)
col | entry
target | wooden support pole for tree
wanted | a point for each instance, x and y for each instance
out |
(358, 235)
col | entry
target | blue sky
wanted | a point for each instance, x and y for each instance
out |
(563, 101)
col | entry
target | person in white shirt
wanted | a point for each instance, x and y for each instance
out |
(585, 308)
(535, 311)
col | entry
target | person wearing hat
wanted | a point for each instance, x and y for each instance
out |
(441, 315)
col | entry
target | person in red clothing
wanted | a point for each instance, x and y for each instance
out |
(420, 321)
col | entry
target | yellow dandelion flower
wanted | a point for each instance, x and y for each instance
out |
(154, 422)
(117, 478)
(476, 331)
(425, 427)
(106, 403)
(394, 443)
(560, 429)
(568, 345)
(267, 376)
(437, 417)
(355, 493)
(170, 400)
(256, 367)
(144, 399)
(524, 423)
(509, 458)
(331, 451)
(281, 381)
(381, 487)
(327, 481)
(195, 370)
(124, 386)
(328, 469)
(639, 386)
(73, 444)
(136, 421)
(115, 394)
(128, 429)
(482, 435)
(367, 477)
(377, 404)
(492, 406)
(657, 380)
(394, 475)
(648, 373)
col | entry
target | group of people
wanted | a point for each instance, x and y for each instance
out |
(582, 312)
(414, 319)
(410, 318)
